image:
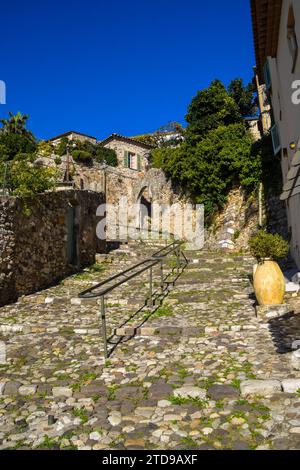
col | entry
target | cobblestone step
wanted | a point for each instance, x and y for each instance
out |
(201, 372)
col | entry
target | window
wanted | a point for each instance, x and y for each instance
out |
(275, 139)
(292, 38)
(132, 161)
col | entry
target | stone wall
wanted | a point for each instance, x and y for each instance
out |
(35, 247)
(276, 216)
(7, 247)
(233, 226)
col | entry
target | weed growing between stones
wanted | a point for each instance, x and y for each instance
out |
(80, 413)
(200, 403)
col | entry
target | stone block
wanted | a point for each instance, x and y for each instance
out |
(62, 392)
(2, 385)
(290, 385)
(189, 391)
(292, 287)
(295, 359)
(260, 387)
(272, 311)
(27, 390)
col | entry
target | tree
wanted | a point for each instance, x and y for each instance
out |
(16, 124)
(207, 171)
(209, 109)
(16, 143)
(243, 97)
(15, 137)
(24, 179)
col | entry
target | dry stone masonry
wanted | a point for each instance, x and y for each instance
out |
(34, 244)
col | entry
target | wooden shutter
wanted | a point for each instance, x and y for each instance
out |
(139, 163)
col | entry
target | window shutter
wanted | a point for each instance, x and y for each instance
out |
(126, 163)
(139, 162)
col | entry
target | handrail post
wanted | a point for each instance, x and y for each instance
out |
(151, 287)
(103, 320)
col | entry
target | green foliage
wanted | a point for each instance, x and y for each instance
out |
(12, 144)
(61, 148)
(87, 152)
(219, 152)
(15, 124)
(209, 109)
(109, 155)
(243, 97)
(44, 149)
(82, 156)
(271, 174)
(265, 245)
(24, 179)
(205, 172)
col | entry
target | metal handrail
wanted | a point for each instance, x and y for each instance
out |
(156, 258)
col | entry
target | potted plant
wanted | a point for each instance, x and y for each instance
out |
(269, 283)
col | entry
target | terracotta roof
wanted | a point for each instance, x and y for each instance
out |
(126, 139)
(266, 16)
(65, 134)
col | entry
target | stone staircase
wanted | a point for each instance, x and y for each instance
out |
(173, 378)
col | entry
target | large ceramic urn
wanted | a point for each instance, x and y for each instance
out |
(269, 283)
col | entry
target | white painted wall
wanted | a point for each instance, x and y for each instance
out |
(287, 114)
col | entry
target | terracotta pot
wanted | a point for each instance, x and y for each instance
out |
(269, 283)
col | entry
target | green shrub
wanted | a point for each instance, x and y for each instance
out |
(82, 156)
(103, 153)
(265, 245)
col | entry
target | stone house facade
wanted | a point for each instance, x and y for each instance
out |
(277, 42)
(73, 135)
(132, 155)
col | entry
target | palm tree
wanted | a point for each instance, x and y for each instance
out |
(16, 124)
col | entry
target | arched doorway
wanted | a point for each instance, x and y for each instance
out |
(145, 209)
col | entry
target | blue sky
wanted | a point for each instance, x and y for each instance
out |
(103, 66)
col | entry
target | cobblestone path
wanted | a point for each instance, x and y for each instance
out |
(173, 380)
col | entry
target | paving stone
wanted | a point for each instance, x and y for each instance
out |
(189, 391)
(62, 392)
(11, 388)
(295, 359)
(291, 385)
(260, 387)
(27, 390)
(206, 337)
(2, 385)
(160, 390)
(219, 392)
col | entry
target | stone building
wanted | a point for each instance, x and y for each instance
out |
(132, 154)
(73, 135)
(276, 26)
